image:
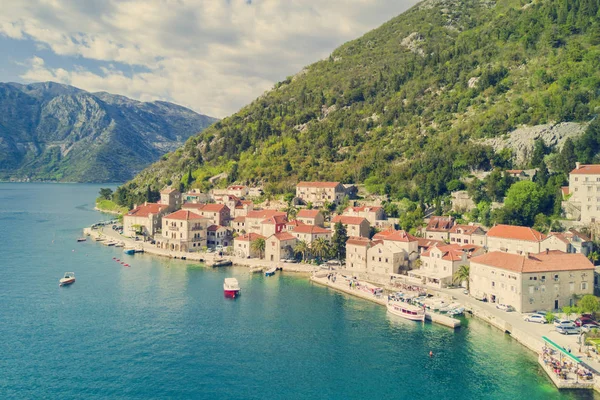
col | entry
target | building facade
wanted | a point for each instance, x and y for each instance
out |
(370, 213)
(319, 193)
(311, 217)
(183, 231)
(467, 234)
(242, 245)
(514, 239)
(438, 228)
(584, 192)
(355, 226)
(145, 219)
(280, 246)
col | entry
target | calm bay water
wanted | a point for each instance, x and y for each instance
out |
(162, 328)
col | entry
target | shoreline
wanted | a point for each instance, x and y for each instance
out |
(526, 339)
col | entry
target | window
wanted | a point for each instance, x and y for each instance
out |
(530, 289)
(576, 179)
(493, 284)
(543, 288)
(583, 285)
(556, 278)
(571, 287)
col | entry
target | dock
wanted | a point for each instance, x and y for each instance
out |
(381, 300)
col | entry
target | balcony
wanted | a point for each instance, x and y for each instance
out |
(173, 228)
(200, 239)
(197, 228)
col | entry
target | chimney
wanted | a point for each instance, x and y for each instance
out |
(577, 165)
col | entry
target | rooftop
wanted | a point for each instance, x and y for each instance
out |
(312, 229)
(318, 184)
(146, 209)
(516, 233)
(550, 261)
(465, 229)
(307, 213)
(211, 207)
(249, 237)
(363, 209)
(264, 214)
(284, 236)
(587, 169)
(451, 252)
(184, 215)
(346, 220)
(358, 241)
(275, 220)
(440, 224)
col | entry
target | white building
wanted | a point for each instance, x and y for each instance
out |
(145, 218)
(544, 281)
(514, 239)
(183, 231)
(440, 262)
(318, 193)
(584, 192)
(242, 245)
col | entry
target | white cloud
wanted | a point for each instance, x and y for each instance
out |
(211, 55)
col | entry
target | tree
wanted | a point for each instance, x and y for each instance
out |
(539, 151)
(259, 246)
(288, 197)
(462, 275)
(338, 241)
(320, 247)
(567, 156)
(302, 248)
(106, 193)
(291, 212)
(542, 175)
(523, 202)
(567, 310)
(589, 303)
(593, 257)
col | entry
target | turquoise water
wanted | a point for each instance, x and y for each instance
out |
(162, 329)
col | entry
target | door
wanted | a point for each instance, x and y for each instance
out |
(556, 304)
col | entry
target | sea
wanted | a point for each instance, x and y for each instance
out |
(162, 329)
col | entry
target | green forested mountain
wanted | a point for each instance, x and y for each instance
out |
(401, 108)
(57, 132)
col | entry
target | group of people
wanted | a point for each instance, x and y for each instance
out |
(409, 288)
(562, 369)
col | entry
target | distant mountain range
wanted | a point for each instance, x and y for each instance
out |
(50, 131)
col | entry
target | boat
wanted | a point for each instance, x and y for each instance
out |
(255, 270)
(457, 311)
(99, 239)
(129, 251)
(68, 279)
(120, 244)
(231, 287)
(405, 310)
(110, 243)
(81, 239)
(222, 263)
(449, 307)
(270, 271)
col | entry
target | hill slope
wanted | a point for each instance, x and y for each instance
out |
(402, 108)
(58, 132)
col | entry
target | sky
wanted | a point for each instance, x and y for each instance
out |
(213, 56)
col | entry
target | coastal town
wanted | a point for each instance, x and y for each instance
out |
(507, 275)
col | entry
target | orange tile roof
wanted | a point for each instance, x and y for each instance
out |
(239, 219)
(249, 237)
(466, 229)
(426, 243)
(439, 224)
(184, 215)
(358, 241)
(275, 220)
(564, 190)
(516, 233)
(587, 169)
(452, 252)
(318, 184)
(400, 236)
(212, 207)
(214, 228)
(146, 209)
(551, 261)
(307, 213)
(346, 220)
(295, 223)
(284, 236)
(363, 209)
(264, 214)
(312, 229)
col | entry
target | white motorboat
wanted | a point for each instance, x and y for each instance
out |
(270, 271)
(231, 287)
(68, 279)
(406, 310)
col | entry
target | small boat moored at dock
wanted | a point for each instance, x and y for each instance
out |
(231, 287)
(129, 251)
(405, 310)
(81, 239)
(68, 279)
(255, 270)
(270, 271)
(222, 263)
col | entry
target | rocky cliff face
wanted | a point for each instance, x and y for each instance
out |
(58, 132)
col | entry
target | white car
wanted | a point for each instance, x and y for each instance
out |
(540, 319)
(563, 322)
(504, 307)
(588, 327)
(568, 330)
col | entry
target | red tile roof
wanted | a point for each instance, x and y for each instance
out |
(440, 224)
(400, 236)
(552, 261)
(214, 228)
(318, 184)
(587, 169)
(358, 241)
(295, 223)
(565, 190)
(307, 213)
(516, 233)
(426, 243)
(465, 229)
(239, 219)
(184, 215)
(249, 237)
(451, 252)
(146, 209)
(284, 236)
(312, 229)
(346, 220)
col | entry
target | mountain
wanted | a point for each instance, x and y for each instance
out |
(57, 132)
(407, 108)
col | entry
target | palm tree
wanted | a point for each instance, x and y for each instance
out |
(594, 256)
(302, 248)
(291, 212)
(320, 247)
(259, 246)
(462, 275)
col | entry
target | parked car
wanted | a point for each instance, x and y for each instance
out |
(588, 327)
(563, 322)
(585, 320)
(540, 319)
(544, 313)
(465, 292)
(505, 307)
(568, 330)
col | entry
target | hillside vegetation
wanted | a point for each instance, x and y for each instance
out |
(401, 109)
(50, 131)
